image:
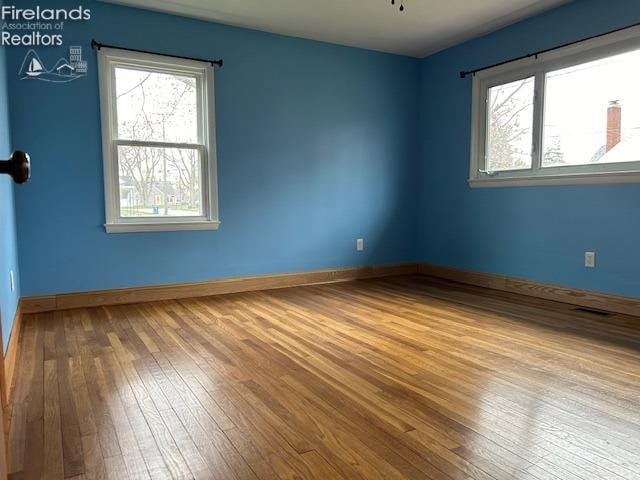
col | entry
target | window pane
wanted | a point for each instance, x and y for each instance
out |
(159, 182)
(156, 106)
(510, 125)
(592, 113)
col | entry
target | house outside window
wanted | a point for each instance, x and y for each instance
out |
(158, 142)
(568, 116)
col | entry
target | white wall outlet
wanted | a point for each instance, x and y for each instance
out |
(12, 281)
(590, 259)
(360, 244)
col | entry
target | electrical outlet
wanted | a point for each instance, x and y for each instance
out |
(12, 281)
(360, 244)
(590, 259)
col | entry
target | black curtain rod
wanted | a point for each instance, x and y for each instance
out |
(97, 46)
(540, 52)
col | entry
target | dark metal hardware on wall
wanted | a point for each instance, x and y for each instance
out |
(540, 52)
(97, 46)
(18, 166)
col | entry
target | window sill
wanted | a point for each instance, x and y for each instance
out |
(160, 227)
(549, 180)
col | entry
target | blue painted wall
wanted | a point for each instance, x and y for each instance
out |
(536, 233)
(8, 242)
(317, 146)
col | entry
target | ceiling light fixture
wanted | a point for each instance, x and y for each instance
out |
(393, 2)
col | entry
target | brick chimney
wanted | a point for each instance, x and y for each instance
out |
(614, 124)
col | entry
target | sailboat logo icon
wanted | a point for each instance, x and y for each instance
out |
(64, 70)
(35, 68)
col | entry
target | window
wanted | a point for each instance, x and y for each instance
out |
(571, 115)
(158, 142)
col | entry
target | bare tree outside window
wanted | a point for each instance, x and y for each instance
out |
(553, 153)
(158, 181)
(510, 125)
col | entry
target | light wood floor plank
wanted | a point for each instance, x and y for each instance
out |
(397, 378)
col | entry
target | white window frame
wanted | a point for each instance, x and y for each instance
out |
(587, 51)
(108, 60)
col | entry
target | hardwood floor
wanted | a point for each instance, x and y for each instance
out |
(400, 378)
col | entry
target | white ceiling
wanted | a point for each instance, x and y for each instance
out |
(425, 26)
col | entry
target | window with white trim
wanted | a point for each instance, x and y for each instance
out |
(569, 116)
(158, 138)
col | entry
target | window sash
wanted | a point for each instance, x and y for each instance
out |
(538, 67)
(484, 167)
(152, 143)
(168, 218)
(154, 68)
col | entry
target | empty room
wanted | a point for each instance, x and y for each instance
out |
(320, 239)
